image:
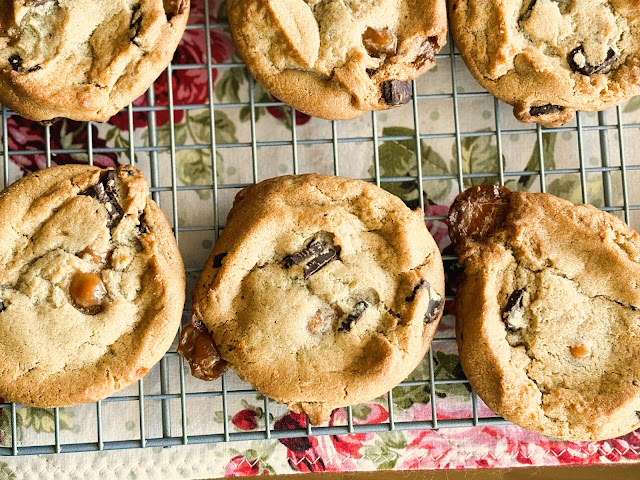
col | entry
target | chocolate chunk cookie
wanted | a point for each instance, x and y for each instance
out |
(84, 59)
(549, 58)
(548, 325)
(91, 284)
(336, 59)
(322, 292)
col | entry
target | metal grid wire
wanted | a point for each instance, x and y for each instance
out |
(171, 436)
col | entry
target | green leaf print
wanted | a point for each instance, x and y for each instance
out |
(40, 420)
(398, 159)
(478, 155)
(383, 451)
(361, 412)
(548, 152)
(569, 188)
(229, 82)
(446, 367)
(5, 472)
(632, 105)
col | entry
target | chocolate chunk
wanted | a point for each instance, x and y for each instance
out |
(514, 304)
(637, 414)
(136, 25)
(105, 193)
(142, 224)
(436, 302)
(396, 92)
(545, 110)
(353, 317)
(427, 52)
(306, 253)
(587, 68)
(2, 307)
(198, 348)
(371, 71)
(16, 63)
(316, 263)
(217, 260)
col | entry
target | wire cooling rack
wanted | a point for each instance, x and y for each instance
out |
(166, 423)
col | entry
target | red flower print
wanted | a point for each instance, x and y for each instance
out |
(26, 134)
(350, 445)
(302, 454)
(439, 228)
(283, 111)
(189, 86)
(246, 419)
(239, 466)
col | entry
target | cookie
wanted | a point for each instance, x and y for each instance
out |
(91, 285)
(335, 59)
(84, 59)
(322, 292)
(548, 327)
(551, 58)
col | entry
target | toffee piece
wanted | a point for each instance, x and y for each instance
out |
(311, 295)
(107, 298)
(547, 322)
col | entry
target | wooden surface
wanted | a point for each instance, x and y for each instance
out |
(615, 472)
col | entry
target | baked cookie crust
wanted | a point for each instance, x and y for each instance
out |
(84, 59)
(548, 324)
(322, 291)
(58, 228)
(334, 59)
(551, 58)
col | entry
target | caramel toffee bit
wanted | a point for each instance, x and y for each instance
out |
(353, 317)
(303, 255)
(316, 263)
(514, 305)
(396, 92)
(580, 352)
(477, 212)
(87, 292)
(379, 43)
(578, 62)
(545, 110)
(197, 347)
(427, 53)
(217, 260)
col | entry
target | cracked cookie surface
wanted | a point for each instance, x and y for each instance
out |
(322, 291)
(91, 284)
(335, 59)
(84, 59)
(551, 58)
(548, 327)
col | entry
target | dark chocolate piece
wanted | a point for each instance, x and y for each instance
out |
(421, 286)
(638, 414)
(588, 69)
(105, 193)
(306, 253)
(136, 25)
(16, 63)
(316, 263)
(353, 317)
(545, 110)
(513, 305)
(436, 302)
(217, 260)
(2, 307)
(396, 92)
(142, 225)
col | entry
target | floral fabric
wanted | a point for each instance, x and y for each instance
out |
(184, 157)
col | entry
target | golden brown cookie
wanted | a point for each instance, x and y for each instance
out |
(84, 59)
(91, 284)
(336, 59)
(322, 291)
(551, 58)
(548, 327)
